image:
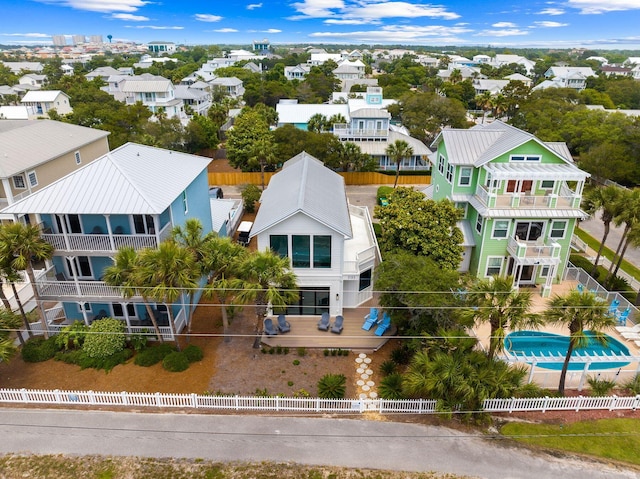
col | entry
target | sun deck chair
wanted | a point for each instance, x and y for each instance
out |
(323, 324)
(370, 319)
(622, 317)
(613, 308)
(283, 325)
(336, 327)
(629, 329)
(580, 287)
(269, 328)
(384, 325)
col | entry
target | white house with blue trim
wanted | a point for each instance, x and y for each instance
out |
(132, 196)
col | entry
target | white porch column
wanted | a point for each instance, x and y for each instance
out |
(127, 319)
(110, 232)
(74, 273)
(63, 223)
(84, 312)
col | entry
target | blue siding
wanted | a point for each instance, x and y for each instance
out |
(197, 202)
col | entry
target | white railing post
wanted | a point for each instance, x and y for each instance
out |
(25, 397)
(158, 400)
(92, 397)
(614, 398)
(194, 401)
(545, 403)
(125, 398)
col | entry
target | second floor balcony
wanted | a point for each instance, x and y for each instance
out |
(540, 251)
(345, 131)
(564, 199)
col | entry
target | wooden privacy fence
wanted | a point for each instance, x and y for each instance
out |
(350, 178)
(308, 405)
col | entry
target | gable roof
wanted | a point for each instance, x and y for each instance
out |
(146, 83)
(132, 179)
(483, 143)
(20, 151)
(42, 95)
(305, 185)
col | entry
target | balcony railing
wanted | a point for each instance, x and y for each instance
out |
(104, 242)
(567, 199)
(532, 251)
(75, 289)
(343, 130)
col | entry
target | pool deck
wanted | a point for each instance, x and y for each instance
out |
(548, 378)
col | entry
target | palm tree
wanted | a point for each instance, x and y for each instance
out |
(455, 76)
(629, 214)
(494, 301)
(168, 272)
(483, 101)
(22, 245)
(579, 312)
(317, 123)
(267, 279)
(190, 236)
(398, 151)
(8, 322)
(11, 276)
(338, 118)
(221, 255)
(121, 273)
(607, 201)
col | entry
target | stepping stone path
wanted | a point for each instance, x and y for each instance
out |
(366, 387)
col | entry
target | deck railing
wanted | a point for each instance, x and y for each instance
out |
(305, 405)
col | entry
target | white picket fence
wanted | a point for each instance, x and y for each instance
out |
(306, 405)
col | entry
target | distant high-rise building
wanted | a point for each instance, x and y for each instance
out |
(79, 39)
(95, 38)
(59, 40)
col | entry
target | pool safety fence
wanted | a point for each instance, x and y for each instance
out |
(304, 405)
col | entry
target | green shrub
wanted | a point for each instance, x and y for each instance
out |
(278, 349)
(633, 385)
(289, 383)
(250, 196)
(391, 387)
(296, 362)
(79, 357)
(153, 355)
(401, 355)
(105, 338)
(302, 352)
(72, 336)
(388, 367)
(531, 390)
(193, 353)
(600, 387)
(345, 352)
(38, 349)
(138, 341)
(175, 362)
(580, 261)
(334, 352)
(383, 192)
(285, 350)
(332, 386)
(326, 352)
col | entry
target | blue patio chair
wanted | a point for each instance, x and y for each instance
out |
(336, 327)
(269, 328)
(283, 325)
(384, 325)
(370, 319)
(323, 324)
(613, 308)
(622, 317)
(580, 287)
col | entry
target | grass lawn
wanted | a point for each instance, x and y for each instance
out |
(607, 253)
(615, 439)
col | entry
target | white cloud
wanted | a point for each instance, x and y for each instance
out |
(508, 32)
(601, 6)
(504, 25)
(367, 11)
(225, 30)
(205, 17)
(552, 11)
(27, 35)
(333, 21)
(155, 27)
(129, 17)
(550, 24)
(100, 5)
(253, 6)
(432, 34)
(271, 30)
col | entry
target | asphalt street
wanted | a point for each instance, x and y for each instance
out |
(351, 443)
(595, 227)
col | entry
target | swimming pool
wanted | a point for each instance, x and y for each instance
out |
(547, 344)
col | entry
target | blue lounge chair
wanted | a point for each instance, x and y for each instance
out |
(370, 319)
(336, 327)
(384, 325)
(283, 325)
(269, 328)
(613, 308)
(580, 288)
(622, 317)
(323, 324)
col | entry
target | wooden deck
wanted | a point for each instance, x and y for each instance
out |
(304, 333)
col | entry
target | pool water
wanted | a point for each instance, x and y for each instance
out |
(545, 344)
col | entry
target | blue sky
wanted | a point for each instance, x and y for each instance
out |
(500, 23)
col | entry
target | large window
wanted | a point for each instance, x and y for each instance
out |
(465, 176)
(450, 172)
(494, 266)
(81, 265)
(558, 229)
(311, 301)
(322, 251)
(280, 245)
(143, 225)
(441, 164)
(500, 229)
(529, 231)
(118, 310)
(18, 182)
(479, 223)
(365, 280)
(301, 249)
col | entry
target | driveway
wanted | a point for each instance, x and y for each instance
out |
(313, 441)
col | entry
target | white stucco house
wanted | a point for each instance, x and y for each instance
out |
(40, 102)
(305, 216)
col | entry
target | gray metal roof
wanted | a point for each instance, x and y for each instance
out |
(132, 179)
(379, 148)
(42, 95)
(25, 144)
(142, 84)
(370, 113)
(305, 185)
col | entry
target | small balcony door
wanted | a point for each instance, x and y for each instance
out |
(81, 265)
(519, 186)
(71, 224)
(144, 225)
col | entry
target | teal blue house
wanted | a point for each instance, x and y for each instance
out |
(132, 196)
(520, 196)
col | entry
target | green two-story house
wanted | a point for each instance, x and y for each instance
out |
(521, 198)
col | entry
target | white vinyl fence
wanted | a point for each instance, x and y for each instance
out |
(304, 405)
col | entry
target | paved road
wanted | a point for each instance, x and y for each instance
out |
(312, 441)
(595, 228)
